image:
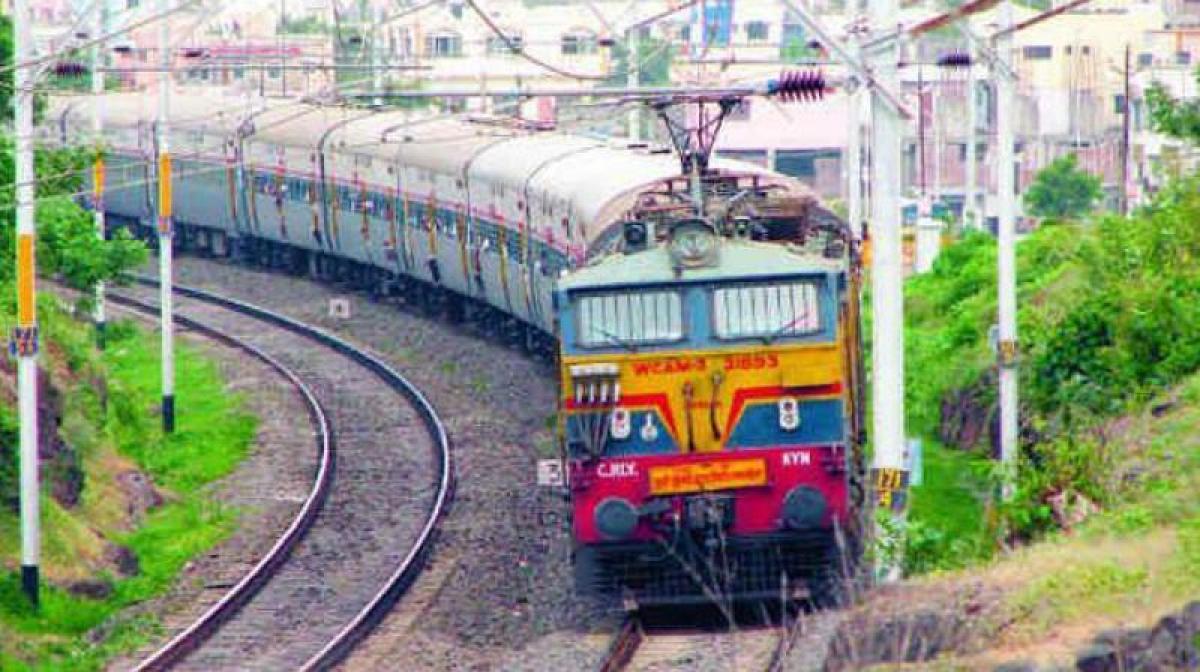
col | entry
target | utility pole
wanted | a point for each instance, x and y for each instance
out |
(98, 167)
(25, 335)
(635, 81)
(376, 71)
(927, 230)
(165, 232)
(971, 216)
(1007, 275)
(1125, 126)
(282, 60)
(854, 190)
(887, 279)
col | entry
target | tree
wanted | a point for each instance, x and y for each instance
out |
(1176, 118)
(654, 58)
(1063, 191)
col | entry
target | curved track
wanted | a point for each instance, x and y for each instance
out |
(368, 525)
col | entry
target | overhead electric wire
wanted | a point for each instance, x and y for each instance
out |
(90, 42)
(520, 51)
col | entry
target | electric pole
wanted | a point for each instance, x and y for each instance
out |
(1006, 271)
(887, 278)
(1125, 139)
(165, 232)
(25, 335)
(98, 165)
(635, 81)
(927, 230)
(854, 190)
(971, 216)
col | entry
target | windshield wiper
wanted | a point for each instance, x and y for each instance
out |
(770, 338)
(613, 338)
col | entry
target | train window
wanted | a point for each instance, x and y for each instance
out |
(629, 318)
(766, 310)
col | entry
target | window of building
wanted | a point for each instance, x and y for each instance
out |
(766, 310)
(578, 42)
(1037, 52)
(1119, 103)
(442, 45)
(685, 34)
(630, 318)
(498, 45)
(1145, 60)
(1183, 58)
(757, 31)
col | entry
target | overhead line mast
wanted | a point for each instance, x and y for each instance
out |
(165, 233)
(24, 342)
(98, 168)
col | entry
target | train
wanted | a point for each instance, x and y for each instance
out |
(703, 313)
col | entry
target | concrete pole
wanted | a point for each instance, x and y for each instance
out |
(25, 335)
(98, 168)
(635, 81)
(165, 226)
(887, 281)
(853, 167)
(926, 228)
(376, 71)
(1007, 279)
(971, 216)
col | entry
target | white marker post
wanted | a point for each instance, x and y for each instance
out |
(1007, 263)
(165, 271)
(98, 168)
(971, 218)
(25, 336)
(887, 281)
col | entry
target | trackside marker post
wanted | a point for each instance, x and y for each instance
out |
(165, 228)
(24, 343)
(98, 167)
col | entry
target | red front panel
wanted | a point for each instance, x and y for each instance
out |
(757, 508)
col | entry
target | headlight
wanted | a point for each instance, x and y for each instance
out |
(803, 508)
(615, 518)
(693, 244)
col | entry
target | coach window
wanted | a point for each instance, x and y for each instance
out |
(629, 318)
(768, 310)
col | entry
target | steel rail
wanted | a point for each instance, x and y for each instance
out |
(245, 589)
(414, 561)
(623, 646)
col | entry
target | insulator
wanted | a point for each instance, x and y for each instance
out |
(798, 85)
(122, 49)
(193, 52)
(69, 69)
(954, 59)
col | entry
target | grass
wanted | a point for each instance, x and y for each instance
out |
(1127, 566)
(946, 512)
(212, 435)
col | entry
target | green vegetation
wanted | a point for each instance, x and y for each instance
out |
(1107, 321)
(213, 434)
(1062, 190)
(304, 25)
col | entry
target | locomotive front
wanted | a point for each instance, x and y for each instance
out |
(710, 400)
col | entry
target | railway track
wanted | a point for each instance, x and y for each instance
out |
(365, 530)
(794, 646)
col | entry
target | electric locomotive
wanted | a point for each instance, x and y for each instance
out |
(712, 397)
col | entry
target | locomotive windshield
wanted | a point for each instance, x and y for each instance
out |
(630, 318)
(766, 310)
